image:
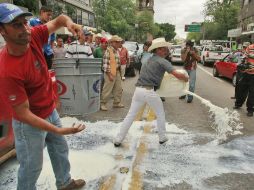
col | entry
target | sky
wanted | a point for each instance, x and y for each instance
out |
(179, 13)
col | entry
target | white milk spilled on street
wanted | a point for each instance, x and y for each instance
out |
(226, 122)
(180, 160)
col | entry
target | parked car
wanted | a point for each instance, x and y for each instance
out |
(227, 67)
(132, 48)
(210, 54)
(176, 56)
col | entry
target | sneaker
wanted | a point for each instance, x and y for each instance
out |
(103, 107)
(189, 101)
(119, 105)
(182, 97)
(250, 114)
(117, 144)
(123, 78)
(165, 139)
(163, 99)
(74, 184)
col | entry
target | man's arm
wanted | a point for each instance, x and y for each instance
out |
(63, 21)
(180, 76)
(25, 115)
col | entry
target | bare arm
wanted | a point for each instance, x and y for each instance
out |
(63, 21)
(180, 76)
(25, 115)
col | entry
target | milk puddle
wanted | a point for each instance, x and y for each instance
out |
(225, 121)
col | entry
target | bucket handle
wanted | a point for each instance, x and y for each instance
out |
(77, 63)
(77, 60)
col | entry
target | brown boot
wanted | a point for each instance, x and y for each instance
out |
(74, 184)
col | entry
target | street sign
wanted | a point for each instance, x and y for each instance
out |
(192, 28)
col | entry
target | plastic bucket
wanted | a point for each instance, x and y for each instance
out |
(78, 83)
(173, 87)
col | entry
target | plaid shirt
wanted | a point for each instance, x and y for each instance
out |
(106, 60)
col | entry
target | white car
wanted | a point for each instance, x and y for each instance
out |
(176, 56)
(210, 54)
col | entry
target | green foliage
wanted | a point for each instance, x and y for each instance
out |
(166, 30)
(115, 16)
(223, 15)
(194, 36)
(32, 5)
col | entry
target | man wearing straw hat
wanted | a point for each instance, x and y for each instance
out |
(27, 87)
(149, 80)
(112, 75)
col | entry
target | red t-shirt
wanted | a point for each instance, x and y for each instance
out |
(26, 77)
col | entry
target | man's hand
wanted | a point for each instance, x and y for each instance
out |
(75, 29)
(249, 71)
(70, 130)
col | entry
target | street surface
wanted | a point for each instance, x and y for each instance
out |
(194, 158)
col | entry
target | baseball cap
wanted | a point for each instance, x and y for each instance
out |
(8, 12)
(104, 40)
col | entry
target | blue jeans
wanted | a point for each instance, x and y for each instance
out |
(29, 144)
(192, 81)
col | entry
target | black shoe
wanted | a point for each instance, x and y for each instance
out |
(233, 97)
(163, 141)
(163, 99)
(250, 114)
(189, 101)
(236, 107)
(117, 144)
(182, 97)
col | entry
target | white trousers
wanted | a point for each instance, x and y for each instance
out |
(140, 97)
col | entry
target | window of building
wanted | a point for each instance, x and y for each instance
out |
(85, 18)
(79, 16)
(91, 20)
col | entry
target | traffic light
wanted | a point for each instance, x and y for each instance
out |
(186, 28)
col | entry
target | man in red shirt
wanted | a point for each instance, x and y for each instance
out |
(124, 59)
(27, 87)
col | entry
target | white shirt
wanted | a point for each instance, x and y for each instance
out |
(77, 50)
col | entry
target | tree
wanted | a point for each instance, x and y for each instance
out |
(115, 16)
(166, 30)
(30, 4)
(223, 15)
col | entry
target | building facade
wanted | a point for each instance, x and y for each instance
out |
(80, 11)
(246, 19)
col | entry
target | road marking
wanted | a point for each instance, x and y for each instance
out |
(209, 73)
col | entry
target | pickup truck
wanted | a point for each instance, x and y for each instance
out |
(210, 54)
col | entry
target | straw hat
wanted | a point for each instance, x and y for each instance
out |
(157, 43)
(116, 38)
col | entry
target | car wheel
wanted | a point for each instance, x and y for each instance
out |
(234, 80)
(215, 72)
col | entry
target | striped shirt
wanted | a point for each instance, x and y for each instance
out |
(77, 50)
(106, 60)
